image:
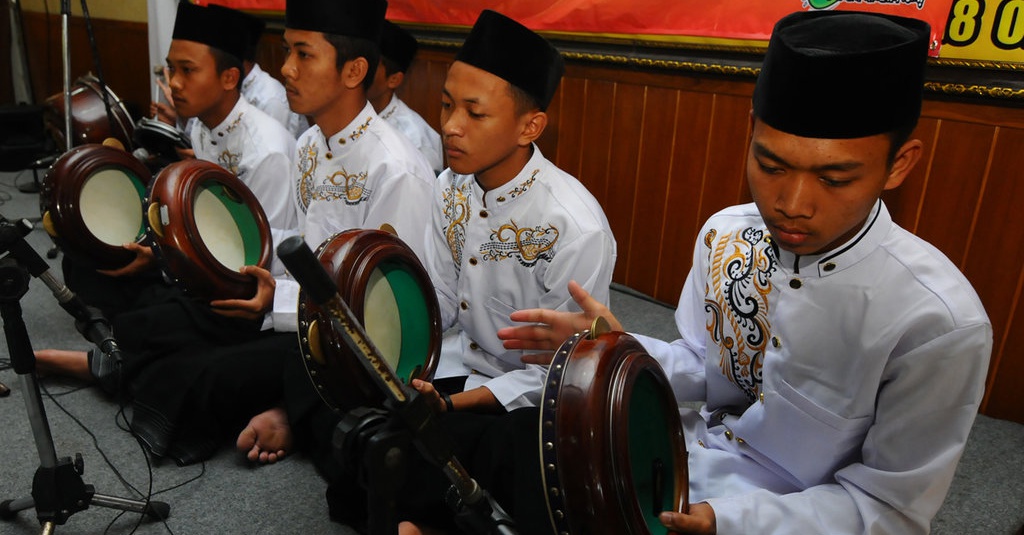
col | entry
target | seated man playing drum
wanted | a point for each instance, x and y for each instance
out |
(509, 231)
(353, 171)
(840, 358)
(152, 319)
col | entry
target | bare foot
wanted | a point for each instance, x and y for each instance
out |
(408, 528)
(67, 363)
(267, 438)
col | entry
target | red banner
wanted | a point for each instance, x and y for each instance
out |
(716, 19)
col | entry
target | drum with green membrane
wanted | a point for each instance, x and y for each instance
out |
(110, 204)
(395, 317)
(651, 453)
(227, 226)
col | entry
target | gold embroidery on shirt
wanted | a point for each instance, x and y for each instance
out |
(525, 186)
(234, 124)
(527, 245)
(307, 167)
(736, 301)
(361, 130)
(388, 113)
(229, 160)
(456, 211)
(344, 185)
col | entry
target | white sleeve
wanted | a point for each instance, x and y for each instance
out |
(926, 406)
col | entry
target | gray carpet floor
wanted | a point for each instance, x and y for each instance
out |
(228, 495)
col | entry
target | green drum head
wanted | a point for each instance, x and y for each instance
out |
(651, 455)
(396, 320)
(226, 226)
(110, 203)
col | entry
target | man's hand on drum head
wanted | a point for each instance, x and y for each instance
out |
(144, 261)
(255, 307)
(700, 520)
(549, 328)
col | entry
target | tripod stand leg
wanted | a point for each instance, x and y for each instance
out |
(154, 510)
(9, 508)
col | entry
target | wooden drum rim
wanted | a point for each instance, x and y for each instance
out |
(585, 443)
(179, 245)
(350, 258)
(61, 207)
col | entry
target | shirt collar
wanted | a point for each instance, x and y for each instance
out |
(251, 77)
(390, 109)
(353, 130)
(230, 122)
(854, 250)
(519, 185)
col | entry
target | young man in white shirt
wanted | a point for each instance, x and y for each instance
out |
(353, 170)
(397, 50)
(840, 358)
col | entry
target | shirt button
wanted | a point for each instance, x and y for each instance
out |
(472, 260)
(463, 305)
(473, 346)
(761, 397)
(341, 141)
(740, 440)
(483, 213)
(775, 342)
(728, 434)
(213, 142)
(221, 134)
(501, 199)
(829, 266)
(328, 156)
(795, 284)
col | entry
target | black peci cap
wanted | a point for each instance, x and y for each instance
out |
(350, 18)
(221, 28)
(397, 45)
(254, 27)
(841, 75)
(514, 53)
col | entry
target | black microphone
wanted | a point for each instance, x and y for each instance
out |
(89, 321)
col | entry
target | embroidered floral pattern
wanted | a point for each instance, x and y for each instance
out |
(350, 187)
(358, 133)
(234, 124)
(456, 212)
(307, 167)
(525, 186)
(229, 160)
(527, 245)
(739, 270)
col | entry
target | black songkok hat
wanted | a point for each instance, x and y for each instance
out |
(397, 45)
(841, 75)
(225, 29)
(350, 18)
(514, 53)
(254, 27)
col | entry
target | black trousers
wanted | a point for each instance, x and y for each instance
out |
(500, 451)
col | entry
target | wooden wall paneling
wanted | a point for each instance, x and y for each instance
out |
(725, 174)
(683, 197)
(6, 73)
(121, 47)
(570, 101)
(904, 202)
(596, 128)
(954, 182)
(994, 267)
(627, 112)
(654, 173)
(1004, 387)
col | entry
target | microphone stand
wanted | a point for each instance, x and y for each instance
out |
(65, 48)
(407, 417)
(57, 488)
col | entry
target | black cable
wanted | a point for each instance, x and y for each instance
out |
(99, 68)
